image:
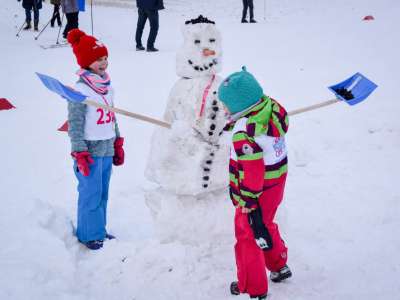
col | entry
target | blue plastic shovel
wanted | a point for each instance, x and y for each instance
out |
(352, 91)
(72, 95)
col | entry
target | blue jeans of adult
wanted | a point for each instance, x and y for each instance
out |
(93, 198)
(29, 17)
(145, 14)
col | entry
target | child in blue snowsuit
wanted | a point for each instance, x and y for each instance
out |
(95, 139)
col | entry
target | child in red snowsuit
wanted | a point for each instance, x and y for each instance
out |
(258, 168)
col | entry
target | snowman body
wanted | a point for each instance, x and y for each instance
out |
(192, 157)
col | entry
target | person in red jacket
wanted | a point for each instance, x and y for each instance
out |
(258, 169)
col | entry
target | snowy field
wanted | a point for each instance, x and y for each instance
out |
(341, 213)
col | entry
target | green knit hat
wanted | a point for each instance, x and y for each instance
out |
(240, 91)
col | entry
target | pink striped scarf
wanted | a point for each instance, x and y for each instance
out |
(100, 84)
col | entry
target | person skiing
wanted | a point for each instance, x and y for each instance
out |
(29, 5)
(258, 169)
(56, 13)
(96, 143)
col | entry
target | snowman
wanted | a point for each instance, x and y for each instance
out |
(192, 157)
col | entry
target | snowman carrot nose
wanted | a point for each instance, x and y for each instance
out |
(208, 52)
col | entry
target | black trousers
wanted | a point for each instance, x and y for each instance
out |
(248, 4)
(56, 15)
(72, 22)
(145, 14)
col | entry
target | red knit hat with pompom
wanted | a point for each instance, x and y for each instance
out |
(87, 48)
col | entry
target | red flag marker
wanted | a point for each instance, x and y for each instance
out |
(5, 104)
(369, 18)
(64, 127)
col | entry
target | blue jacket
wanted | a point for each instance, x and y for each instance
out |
(150, 4)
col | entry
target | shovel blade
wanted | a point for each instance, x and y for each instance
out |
(64, 91)
(354, 89)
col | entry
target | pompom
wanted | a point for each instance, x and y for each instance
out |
(74, 36)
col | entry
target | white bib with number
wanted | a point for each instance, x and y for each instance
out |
(99, 122)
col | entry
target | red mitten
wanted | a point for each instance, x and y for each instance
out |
(83, 160)
(119, 154)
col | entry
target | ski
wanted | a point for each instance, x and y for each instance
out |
(53, 46)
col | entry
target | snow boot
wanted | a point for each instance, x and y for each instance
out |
(27, 26)
(36, 27)
(244, 21)
(94, 245)
(262, 297)
(253, 21)
(235, 291)
(110, 236)
(281, 275)
(140, 48)
(235, 288)
(151, 49)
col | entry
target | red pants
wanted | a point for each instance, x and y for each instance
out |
(251, 261)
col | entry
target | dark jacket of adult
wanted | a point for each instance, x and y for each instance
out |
(32, 4)
(150, 4)
(69, 6)
(55, 2)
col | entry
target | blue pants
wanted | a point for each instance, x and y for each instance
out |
(92, 201)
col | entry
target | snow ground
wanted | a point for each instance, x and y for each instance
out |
(341, 212)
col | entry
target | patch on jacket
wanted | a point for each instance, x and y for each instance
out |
(247, 149)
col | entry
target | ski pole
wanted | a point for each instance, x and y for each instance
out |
(59, 29)
(36, 37)
(265, 9)
(19, 30)
(91, 14)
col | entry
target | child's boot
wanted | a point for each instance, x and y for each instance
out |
(262, 297)
(281, 275)
(110, 236)
(235, 291)
(235, 288)
(27, 26)
(94, 245)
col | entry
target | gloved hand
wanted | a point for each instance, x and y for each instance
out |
(83, 160)
(261, 233)
(119, 154)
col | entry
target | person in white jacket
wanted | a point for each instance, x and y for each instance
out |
(95, 139)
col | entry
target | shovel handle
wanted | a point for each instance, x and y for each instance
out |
(312, 107)
(167, 125)
(129, 114)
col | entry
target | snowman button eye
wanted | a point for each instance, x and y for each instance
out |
(197, 41)
(212, 40)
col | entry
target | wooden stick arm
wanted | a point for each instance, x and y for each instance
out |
(167, 125)
(312, 107)
(129, 114)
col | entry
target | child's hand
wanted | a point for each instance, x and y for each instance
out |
(245, 210)
(83, 160)
(119, 153)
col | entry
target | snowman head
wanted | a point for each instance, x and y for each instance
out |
(201, 52)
